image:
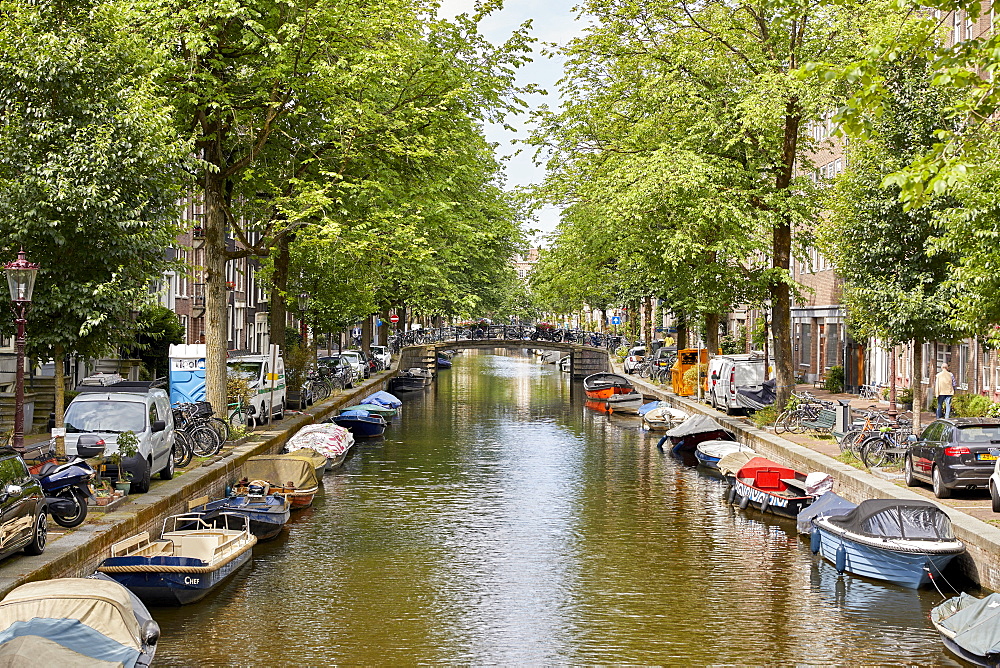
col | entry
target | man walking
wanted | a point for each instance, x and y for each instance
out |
(944, 387)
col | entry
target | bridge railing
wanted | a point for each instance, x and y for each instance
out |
(505, 333)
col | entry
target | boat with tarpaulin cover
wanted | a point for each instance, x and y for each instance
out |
(386, 412)
(970, 628)
(904, 541)
(361, 423)
(76, 622)
(772, 488)
(606, 385)
(192, 557)
(288, 475)
(710, 453)
(383, 398)
(327, 439)
(686, 436)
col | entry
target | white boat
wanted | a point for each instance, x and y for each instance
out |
(709, 453)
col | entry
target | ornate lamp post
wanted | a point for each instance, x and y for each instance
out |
(21, 281)
(303, 307)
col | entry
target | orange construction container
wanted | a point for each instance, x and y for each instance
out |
(686, 359)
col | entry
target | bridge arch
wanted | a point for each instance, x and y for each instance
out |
(584, 360)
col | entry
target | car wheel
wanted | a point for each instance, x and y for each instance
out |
(940, 491)
(281, 411)
(39, 537)
(140, 483)
(908, 477)
(995, 497)
(167, 472)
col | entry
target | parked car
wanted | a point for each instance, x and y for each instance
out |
(340, 369)
(107, 411)
(23, 523)
(358, 361)
(664, 356)
(634, 357)
(728, 373)
(955, 453)
(267, 390)
(382, 354)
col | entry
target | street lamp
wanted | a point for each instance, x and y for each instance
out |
(21, 281)
(303, 307)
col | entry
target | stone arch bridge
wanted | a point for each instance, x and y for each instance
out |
(584, 360)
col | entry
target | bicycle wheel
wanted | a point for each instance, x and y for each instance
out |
(795, 419)
(205, 440)
(873, 451)
(220, 426)
(238, 417)
(850, 440)
(182, 451)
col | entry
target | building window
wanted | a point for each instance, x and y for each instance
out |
(925, 371)
(962, 377)
(986, 371)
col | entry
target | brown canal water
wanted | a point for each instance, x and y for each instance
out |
(501, 522)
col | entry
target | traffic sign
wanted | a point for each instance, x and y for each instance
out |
(616, 320)
(394, 318)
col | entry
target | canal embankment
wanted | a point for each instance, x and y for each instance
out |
(981, 562)
(78, 552)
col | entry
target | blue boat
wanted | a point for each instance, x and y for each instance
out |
(444, 363)
(708, 453)
(361, 423)
(903, 541)
(266, 513)
(191, 558)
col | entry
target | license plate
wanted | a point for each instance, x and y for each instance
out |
(986, 458)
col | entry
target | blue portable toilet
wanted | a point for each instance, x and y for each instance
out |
(187, 373)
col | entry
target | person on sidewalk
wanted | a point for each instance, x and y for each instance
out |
(944, 387)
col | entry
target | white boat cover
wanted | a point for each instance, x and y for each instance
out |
(825, 506)
(734, 461)
(328, 439)
(818, 483)
(87, 616)
(720, 449)
(34, 651)
(696, 424)
(972, 623)
(664, 414)
(281, 470)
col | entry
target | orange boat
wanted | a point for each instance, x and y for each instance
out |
(606, 385)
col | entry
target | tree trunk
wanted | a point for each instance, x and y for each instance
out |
(277, 308)
(781, 252)
(892, 380)
(712, 333)
(682, 332)
(216, 313)
(915, 376)
(647, 321)
(383, 331)
(366, 334)
(604, 320)
(59, 383)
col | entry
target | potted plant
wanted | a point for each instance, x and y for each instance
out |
(128, 446)
(906, 398)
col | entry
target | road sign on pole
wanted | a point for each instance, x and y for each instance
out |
(394, 318)
(616, 320)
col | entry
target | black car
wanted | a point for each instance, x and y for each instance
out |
(955, 453)
(22, 507)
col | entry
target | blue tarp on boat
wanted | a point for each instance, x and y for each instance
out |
(383, 398)
(355, 414)
(826, 505)
(645, 408)
(975, 622)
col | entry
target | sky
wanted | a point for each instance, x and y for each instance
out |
(552, 21)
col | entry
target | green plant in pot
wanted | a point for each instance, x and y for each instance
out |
(905, 397)
(128, 446)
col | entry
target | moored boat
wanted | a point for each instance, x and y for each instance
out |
(443, 363)
(383, 398)
(709, 453)
(970, 628)
(904, 541)
(266, 513)
(289, 476)
(329, 440)
(606, 385)
(91, 621)
(624, 403)
(191, 558)
(767, 486)
(661, 417)
(361, 423)
(686, 436)
(375, 409)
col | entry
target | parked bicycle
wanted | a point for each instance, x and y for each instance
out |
(207, 433)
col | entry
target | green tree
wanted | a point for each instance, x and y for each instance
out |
(157, 327)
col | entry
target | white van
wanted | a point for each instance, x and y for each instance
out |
(728, 373)
(266, 389)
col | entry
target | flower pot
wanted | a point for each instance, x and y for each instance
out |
(123, 486)
(102, 500)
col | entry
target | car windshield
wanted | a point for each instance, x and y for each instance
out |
(638, 351)
(112, 417)
(251, 369)
(352, 357)
(979, 434)
(378, 350)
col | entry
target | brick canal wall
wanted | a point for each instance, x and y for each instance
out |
(78, 553)
(980, 563)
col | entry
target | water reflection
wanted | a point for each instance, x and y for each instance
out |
(499, 521)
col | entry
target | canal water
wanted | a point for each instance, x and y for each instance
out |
(502, 522)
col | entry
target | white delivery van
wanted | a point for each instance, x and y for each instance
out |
(266, 376)
(728, 373)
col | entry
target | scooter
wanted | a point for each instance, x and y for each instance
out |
(67, 488)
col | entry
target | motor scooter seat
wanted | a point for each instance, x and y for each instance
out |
(47, 468)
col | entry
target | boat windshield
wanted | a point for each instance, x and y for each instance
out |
(109, 417)
(979, 434)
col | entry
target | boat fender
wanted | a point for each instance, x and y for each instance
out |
(744, 502)
(841, 562)
(765, 504)
(662, 441)
(731, 495)
(814, 540)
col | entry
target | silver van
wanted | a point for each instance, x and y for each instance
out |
(728, 373)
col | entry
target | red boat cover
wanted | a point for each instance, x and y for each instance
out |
(765, 475)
